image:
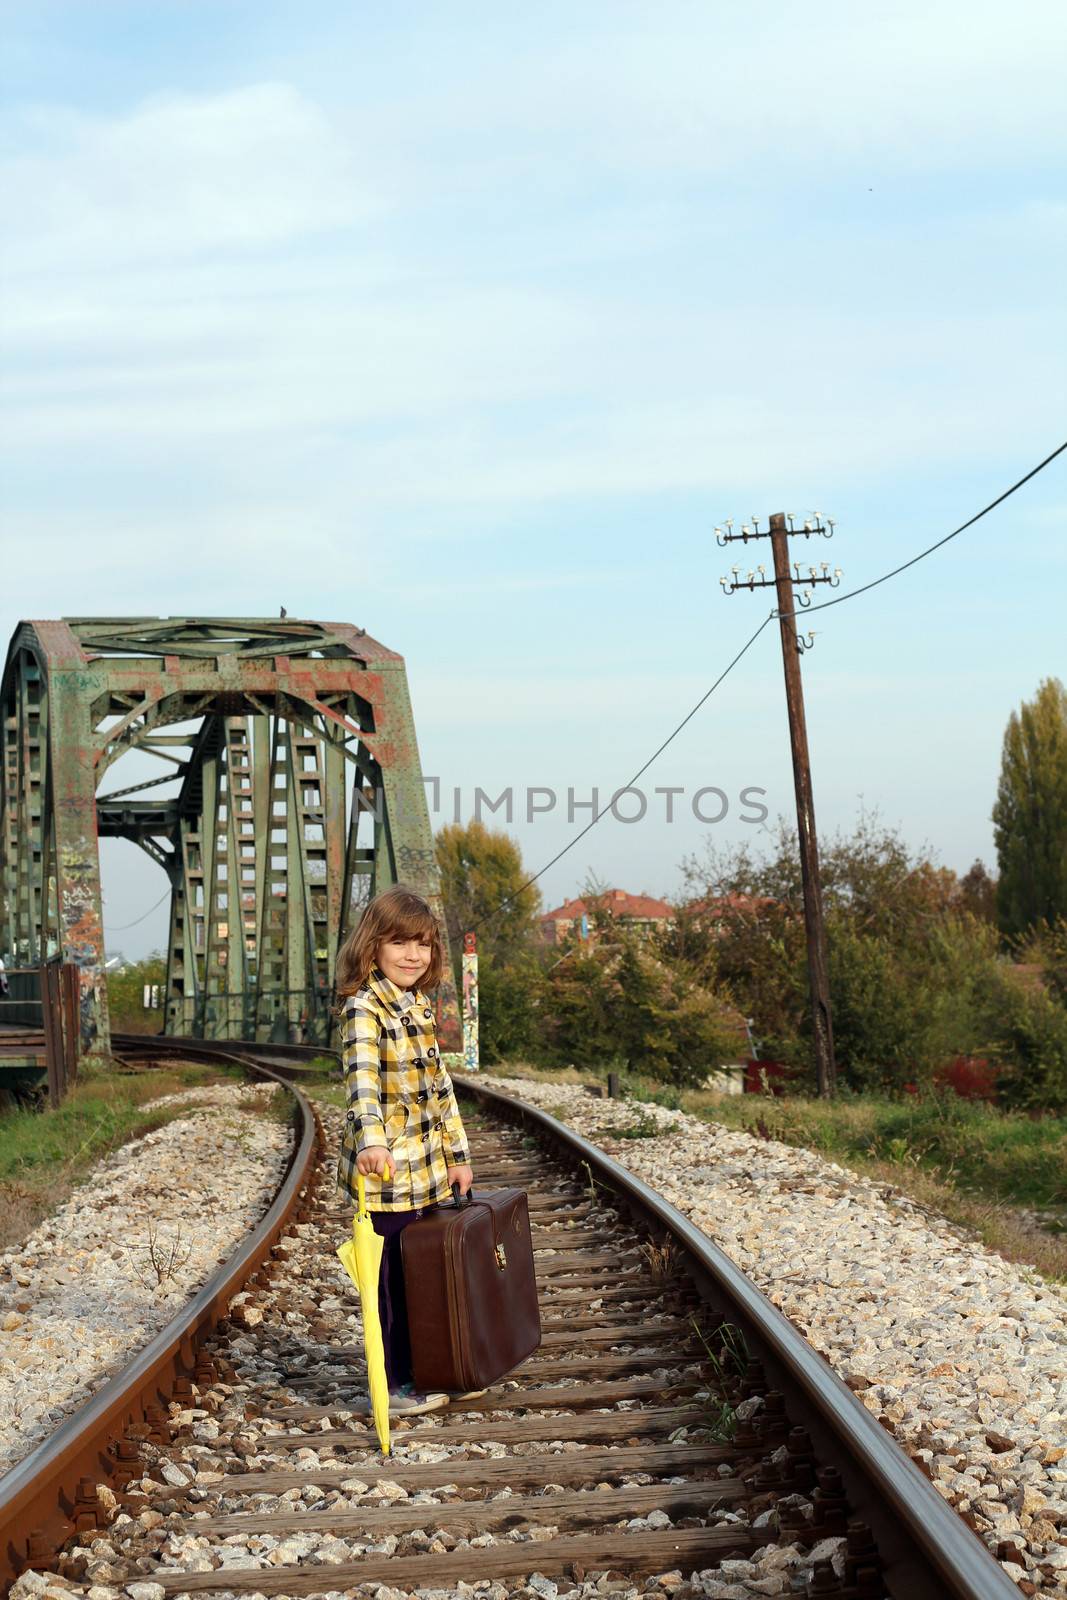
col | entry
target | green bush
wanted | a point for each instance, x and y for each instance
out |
(1030, 1044)
(878, 1018)
(507, 1008)
(1044, 948)
(756, 961)
(902, 1007)
(577, 1023)
(616, 1005)
(918, 976)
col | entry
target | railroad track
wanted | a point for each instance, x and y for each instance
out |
(671, 1422)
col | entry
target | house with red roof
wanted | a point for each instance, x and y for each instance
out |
(642, 912)
(719, 910)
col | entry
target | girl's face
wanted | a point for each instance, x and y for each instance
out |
(404, 960)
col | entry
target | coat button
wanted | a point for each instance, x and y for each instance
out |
(431, 1051)
(427, 1013)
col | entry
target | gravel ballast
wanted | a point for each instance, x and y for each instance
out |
(96, 1280)
(961, 1353)
(970, 1351)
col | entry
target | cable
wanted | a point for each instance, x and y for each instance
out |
(774, 616)
(594, 820)
(852, 593)
(124, 925)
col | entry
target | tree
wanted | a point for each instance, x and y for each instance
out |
(125, 995)
(1030, 813)
(978, 893)
(907, 961)
(618, 1003)
(482, 878)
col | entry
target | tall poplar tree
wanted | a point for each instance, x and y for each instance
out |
(1030, 813)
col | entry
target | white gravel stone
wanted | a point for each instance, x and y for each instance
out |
(945, 1340)
(30, 1584)
(94, 1297)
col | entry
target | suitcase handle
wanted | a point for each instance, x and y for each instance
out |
(461, 1200)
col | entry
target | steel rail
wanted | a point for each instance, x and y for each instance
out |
(273, 1055)
(39, 1497)
(927, 1551)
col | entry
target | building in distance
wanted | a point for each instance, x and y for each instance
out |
(641, 912)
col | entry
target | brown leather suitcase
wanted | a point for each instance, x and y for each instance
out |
(470, 1289)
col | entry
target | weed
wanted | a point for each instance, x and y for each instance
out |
(643, 1126)
(593, 1184)
(727, 1363)
(662, 1260)
(163, 1259)
(668, 1097)
(721, 1420)
(899, 1151)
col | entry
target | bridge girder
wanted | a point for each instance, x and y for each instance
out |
(298, 793)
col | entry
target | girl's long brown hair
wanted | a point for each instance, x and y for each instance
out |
(396, 913)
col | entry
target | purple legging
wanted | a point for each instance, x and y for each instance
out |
(392, 1301)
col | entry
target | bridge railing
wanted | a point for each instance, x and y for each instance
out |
(40, 1014)
(283, 1016)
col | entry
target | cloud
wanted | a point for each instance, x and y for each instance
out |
(213, 286)
(565, 97)
(180, 176)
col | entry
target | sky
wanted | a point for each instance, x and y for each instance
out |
(468, 323)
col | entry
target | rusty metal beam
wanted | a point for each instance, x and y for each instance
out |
(300, 790)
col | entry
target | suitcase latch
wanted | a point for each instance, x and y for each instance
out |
(501, 1258)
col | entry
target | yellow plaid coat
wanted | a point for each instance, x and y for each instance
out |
(399, 1095)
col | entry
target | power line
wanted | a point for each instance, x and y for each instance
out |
(594, 820)
(773, 616)
(122, 927)
(999, 501)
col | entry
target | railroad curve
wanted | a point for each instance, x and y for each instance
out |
(673, 1421)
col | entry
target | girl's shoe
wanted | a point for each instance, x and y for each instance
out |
(408, 1402)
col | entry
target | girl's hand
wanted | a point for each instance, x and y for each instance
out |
(376, 1160)
(464, 1176)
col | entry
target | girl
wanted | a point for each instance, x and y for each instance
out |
(403, 1129)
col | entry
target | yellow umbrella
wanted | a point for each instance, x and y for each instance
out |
(362, 1258)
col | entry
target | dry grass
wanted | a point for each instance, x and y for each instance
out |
(1007, 1230)
(662, 1259)
(528, 1069)
(1000, 1176)
(45, 1154)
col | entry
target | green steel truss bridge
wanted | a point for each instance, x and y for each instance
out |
(290, 790)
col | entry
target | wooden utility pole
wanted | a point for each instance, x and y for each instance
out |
(814, 925)
(792, 646)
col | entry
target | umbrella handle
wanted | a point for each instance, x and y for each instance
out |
(361, 1187)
